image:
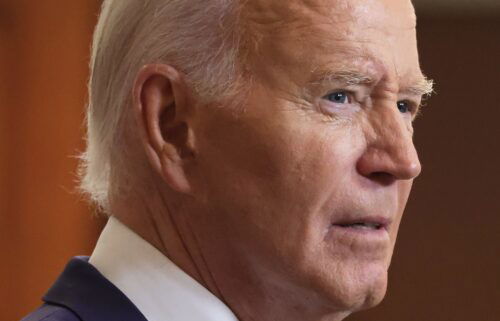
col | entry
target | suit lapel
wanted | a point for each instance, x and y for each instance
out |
(85, 291)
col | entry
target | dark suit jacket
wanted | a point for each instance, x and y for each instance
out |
(81, 293)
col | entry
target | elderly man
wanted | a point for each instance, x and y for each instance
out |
(255, 158)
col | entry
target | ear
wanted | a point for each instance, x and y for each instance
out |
(162, 108)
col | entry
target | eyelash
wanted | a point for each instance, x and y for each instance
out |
(349, 95)
(412, 106)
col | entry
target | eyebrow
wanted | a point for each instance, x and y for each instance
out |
(347, 77)
(421, 87)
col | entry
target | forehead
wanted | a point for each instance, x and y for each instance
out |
(349, 14)
(375, 34)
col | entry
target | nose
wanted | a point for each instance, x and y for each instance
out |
(390, 153)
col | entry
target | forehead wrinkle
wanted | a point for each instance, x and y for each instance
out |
(270, 25)
(265, 21)
(269, 13)
(359, 67)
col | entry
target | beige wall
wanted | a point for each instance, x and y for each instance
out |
(446, 264)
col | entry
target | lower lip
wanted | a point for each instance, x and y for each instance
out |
(359, 239)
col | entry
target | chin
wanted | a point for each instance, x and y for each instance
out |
(374, 292)
(350, 285)
(363, 288)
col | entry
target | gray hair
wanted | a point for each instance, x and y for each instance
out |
(198, 37)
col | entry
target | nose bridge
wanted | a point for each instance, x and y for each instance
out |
(392, 141)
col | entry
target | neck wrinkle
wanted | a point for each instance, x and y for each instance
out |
(167, 228)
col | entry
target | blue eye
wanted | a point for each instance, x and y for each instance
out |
(403, 106)
(339, 97)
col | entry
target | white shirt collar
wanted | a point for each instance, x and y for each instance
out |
(155, 285)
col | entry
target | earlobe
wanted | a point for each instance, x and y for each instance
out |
(162, 116)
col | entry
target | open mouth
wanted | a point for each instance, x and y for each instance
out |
(362, 225)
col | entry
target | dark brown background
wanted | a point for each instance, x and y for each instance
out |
(446, 264)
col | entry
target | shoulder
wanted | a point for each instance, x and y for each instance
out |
(82, 293)
(49, 312)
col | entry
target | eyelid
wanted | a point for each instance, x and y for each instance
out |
(414, 100)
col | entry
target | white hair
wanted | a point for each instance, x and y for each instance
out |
(198, 37)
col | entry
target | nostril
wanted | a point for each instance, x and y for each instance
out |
(386, 163)
(382, 178)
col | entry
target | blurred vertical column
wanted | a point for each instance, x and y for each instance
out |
(44, 53)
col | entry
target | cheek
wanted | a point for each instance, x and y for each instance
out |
(274, 170)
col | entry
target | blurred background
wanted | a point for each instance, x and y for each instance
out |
(446, 266)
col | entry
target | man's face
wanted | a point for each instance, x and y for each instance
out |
(302, 188)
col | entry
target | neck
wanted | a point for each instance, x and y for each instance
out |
(163, 224)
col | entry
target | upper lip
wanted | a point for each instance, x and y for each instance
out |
(378, 221)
